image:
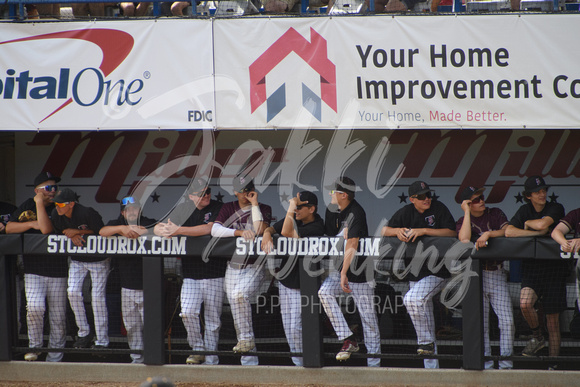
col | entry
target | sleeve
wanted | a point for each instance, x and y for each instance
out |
(331, 222)
(266, 211)
(499, 219)
(397, 219)
(356, 225)
(556, 212)
(95, 221)
(223, 214)
(215, 212)
(571, 219)
(518, 219)
(315, 228)
(447, 220)
(56, 223)
(278, 226)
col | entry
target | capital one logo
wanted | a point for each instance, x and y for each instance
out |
(22, 84)
(314, 53)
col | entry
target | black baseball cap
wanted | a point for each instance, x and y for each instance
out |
(468, 192)
(45, 176)
(243, 183)
(418, 188)
(65, 195)
(198, 184)
(307, 196)
(129, 201)
(534, 184)
(344, 184)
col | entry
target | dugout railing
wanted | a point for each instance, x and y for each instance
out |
(386, 253)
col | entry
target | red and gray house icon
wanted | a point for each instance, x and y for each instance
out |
(315, 54)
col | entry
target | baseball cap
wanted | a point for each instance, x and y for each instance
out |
(157, 381)
(468, 192)
(344, 184)
(534, 184)
(129, 201)
(197, 185)
(44, 176)
(243, 183)
(418, 188)
(307, 196)
(65, 195)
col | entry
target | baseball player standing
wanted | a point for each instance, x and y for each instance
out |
(480, 223)
(424, 216)
(245, 218)
(542, 279)
(75, 221)
(203, 282)
(301, 221)
(350, 223)
(44, 276)
(131, 224)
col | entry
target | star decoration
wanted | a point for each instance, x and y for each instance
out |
(155, 197)
(519, 198)
(283, 198)
(403, 198)
(435, 197)
(554, 197)
(219, 197)
(77, 196)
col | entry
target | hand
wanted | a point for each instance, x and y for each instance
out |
(465, 205)
(571, 246)
(252, 197)
(344, 283)
(39, 198)
(267, 243)
(2, 226)
(71, 232)
(167, 229)
(248, 235)
(297, 202)
(78, 240)
(481, 242)
(402, 234)
(133, 231)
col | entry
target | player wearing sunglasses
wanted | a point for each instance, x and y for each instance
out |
(479, 224)
(424, 216)
(44, 277)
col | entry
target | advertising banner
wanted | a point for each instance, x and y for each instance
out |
(470, 71)
(152, 74)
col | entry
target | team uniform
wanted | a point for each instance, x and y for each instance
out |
(495, 288)
(203, 282)
(425, 285)
(86, 218)
(45, 279)
(361, 281)
(290, 299)
(131, 273)
(547, 277)
(572, 221)
(242, 279)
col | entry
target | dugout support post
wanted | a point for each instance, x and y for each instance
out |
(473, 322)
(313, 354)
(153, 297)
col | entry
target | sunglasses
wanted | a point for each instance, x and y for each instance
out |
(333, 191)
(423, 196)
(202, 193)
(128, 200)
(303, 206)
(478, 199)
(49, 188)
(61, 205)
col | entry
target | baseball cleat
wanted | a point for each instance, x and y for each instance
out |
(195, 359)
(349, 346)
(244, 346)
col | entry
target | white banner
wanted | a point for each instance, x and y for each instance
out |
(500, 71)
(154, 74)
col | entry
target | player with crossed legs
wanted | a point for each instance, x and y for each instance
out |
(75, 221)
(485, 223)
(424, 216)
(131, 224)
(245, 218)
(542, 279)
(44, 277)
(203, 282)
(301, 221)
(355, 273)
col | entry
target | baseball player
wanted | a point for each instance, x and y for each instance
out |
(203, 282)
(480, 224)
(301, 221)
(424, 216)
(44, 277)
(131, 224)
(245, 218)
(75, 220)
(543, 280)
(351, 223)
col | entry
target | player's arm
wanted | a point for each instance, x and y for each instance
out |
(539, 224)
(464, 234)
(267, 240)
(514, 232)
(559, 235)
(44, 223)
(289, 229)
(349, 253)
(20, 227)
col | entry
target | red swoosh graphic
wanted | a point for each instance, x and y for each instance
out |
(115, 45)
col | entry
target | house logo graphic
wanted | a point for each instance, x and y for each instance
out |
(315, 54)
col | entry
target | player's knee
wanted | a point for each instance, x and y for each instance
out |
(35, 310)
(75, 295)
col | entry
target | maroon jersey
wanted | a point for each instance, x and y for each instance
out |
(572, 221)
